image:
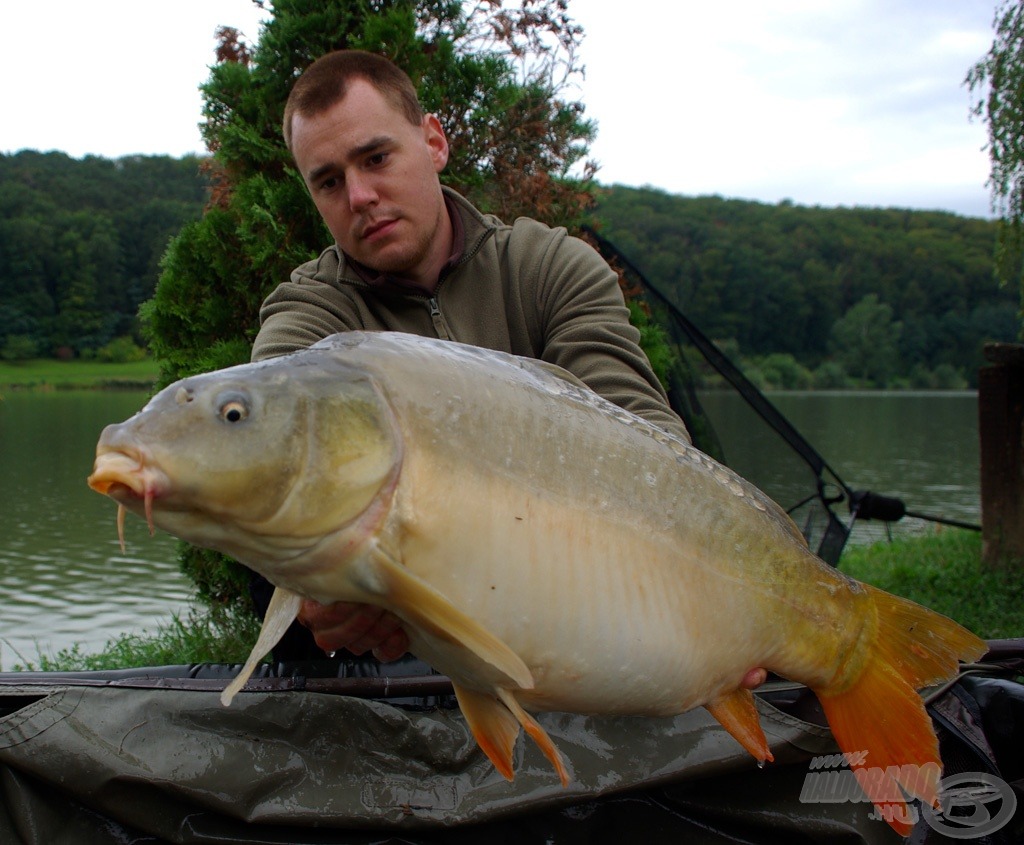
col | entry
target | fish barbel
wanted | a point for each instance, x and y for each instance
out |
(545, 549)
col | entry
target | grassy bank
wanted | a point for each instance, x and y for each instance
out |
(50, 374)
(942, 571)
(201, 637)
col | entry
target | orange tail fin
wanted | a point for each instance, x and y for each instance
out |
(880, 712)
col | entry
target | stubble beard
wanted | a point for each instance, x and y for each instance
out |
(407, 257)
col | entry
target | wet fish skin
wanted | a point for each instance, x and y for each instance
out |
(545, 549)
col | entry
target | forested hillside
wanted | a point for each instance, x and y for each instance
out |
(805, 296)
(80, 246)
(875, 296)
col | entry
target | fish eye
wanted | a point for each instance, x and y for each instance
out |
(233, 410)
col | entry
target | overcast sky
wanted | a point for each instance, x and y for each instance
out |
(823, 102)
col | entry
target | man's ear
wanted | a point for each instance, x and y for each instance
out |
(437, 141)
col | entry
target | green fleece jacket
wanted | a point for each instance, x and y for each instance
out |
(523, 288)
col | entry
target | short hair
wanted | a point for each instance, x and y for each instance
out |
(325, 82)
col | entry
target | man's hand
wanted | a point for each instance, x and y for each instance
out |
(356, 627)
(754, 678)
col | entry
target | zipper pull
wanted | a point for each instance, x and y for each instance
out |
(437, 319)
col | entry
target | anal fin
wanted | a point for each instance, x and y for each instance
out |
(738, 715)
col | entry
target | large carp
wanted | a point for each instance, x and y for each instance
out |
(545, 549)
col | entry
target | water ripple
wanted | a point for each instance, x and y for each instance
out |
(63, 578)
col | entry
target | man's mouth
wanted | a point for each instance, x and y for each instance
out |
(378, 229)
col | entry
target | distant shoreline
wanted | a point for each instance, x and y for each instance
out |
(44, 374)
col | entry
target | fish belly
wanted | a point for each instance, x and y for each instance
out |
(609, 615)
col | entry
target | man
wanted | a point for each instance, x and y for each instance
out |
(412, 256)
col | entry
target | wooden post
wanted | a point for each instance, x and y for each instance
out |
(1001, 429)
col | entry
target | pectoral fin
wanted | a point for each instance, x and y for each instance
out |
(281, 612)
(414, 600)
(738, 715)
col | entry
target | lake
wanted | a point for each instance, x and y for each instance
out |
(64, 580)
(919, 447)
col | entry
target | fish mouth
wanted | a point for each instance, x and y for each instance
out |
(125, 478)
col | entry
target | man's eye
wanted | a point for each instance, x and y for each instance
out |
(377, 159)
(329, 184)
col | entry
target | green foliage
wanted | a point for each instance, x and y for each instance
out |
(780, 371)
(944, 571)
(221, 581)
(655, 343)
(864, 340)
(831, 375)
(778, 279)
(998, 81)
(121, 350)
(78, 374)
(210, 635)
(19, 347)
(80, 241)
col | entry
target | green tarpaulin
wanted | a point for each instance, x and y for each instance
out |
(140, 759)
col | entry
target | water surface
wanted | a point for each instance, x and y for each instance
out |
(63, 578)
(919, 447)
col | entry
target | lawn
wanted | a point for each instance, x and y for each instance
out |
(50, 374)
(944, 571)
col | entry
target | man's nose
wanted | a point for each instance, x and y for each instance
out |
(361, 193)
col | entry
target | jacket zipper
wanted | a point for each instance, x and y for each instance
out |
(435, 315)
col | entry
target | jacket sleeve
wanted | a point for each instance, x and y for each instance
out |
(304, 310)
(584, 326)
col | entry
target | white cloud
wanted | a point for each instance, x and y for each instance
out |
(110, 77)
(857, 102)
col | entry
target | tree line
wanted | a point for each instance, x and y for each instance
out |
(822, 297)
(826, 297)
(80, 247)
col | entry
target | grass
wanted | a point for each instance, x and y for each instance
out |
(204, 636)
(944, 571)
(50, 374)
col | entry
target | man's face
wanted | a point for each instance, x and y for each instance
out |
(373, 177)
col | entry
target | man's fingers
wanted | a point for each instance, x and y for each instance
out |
(356, 627)
(393, 647)
(385, 633)
(754, 678)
